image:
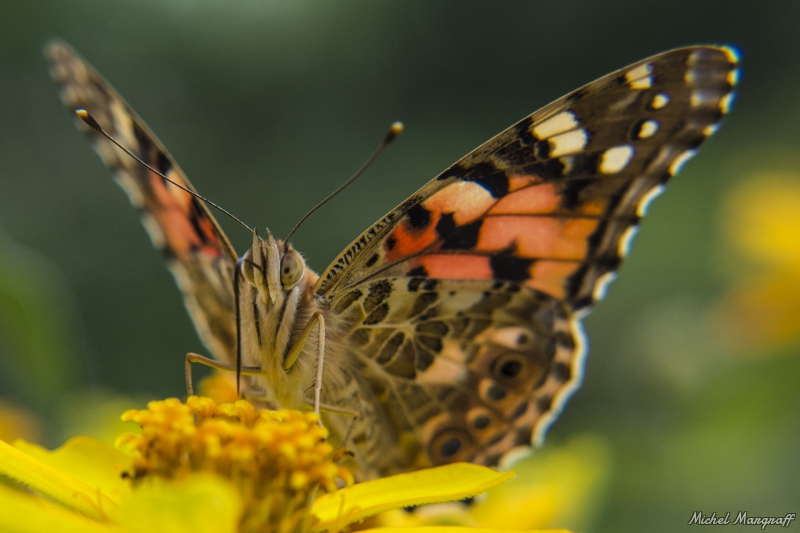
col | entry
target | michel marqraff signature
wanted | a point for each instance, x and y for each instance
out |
(700, 519)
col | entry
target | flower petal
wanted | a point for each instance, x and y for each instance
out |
(433, 485)
(88, 460)
(561, 486)
(198, 504)
(52, 482)
(20, 512)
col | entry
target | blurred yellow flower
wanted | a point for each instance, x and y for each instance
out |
(219, 386)
(558, 486)
(761, 219)
(205, 467)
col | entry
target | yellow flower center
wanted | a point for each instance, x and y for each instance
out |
(277, 459)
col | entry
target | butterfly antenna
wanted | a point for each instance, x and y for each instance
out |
(394, 130)
(92, 123)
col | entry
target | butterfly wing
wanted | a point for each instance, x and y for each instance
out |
(197, 251)
(462, 302)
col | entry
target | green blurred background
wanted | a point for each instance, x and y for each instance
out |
(693, 376)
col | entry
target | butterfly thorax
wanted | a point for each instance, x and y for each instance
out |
(279, 316)
(276, 302)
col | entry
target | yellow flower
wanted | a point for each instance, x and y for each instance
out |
(761, 218)
(220, 387)
(205, 467)
(562, 485)
(762, 221)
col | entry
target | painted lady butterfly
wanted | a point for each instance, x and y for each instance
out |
(450, 327)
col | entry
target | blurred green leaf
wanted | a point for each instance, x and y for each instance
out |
(37, 327)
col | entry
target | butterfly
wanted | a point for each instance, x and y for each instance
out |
(450, 329)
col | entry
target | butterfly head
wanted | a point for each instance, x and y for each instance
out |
(272, 267)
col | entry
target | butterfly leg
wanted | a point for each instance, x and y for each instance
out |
(316, 320)
(192, 357)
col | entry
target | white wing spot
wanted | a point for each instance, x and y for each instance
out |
(703, 98)
(467, 200)
(697, 57)
(129, 185)
(733, 54)
(560, 123)
(726, 102)
(648, 129)
(691, 77)
(568, 163)
(615, 159)
(513, 337)
(513, 456)
(733, 76)
(70, 97)
(660, 100)
(647, 199)
(568, 143)
(639, 77)
(644, 83)
(681, 160)
(639, 72)
(443, 370)
(107, 151)
(627, 240)
(154, 230)
(602, 283)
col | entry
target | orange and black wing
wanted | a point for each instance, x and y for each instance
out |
(197, 251)
(552, 201)
(462, 303)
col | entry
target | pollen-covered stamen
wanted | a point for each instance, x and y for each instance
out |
(277, 459)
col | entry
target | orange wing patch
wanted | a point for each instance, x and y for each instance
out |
(544, 199)
(410, 238)
(453, 266)
(186, 228)
(549, 276)
(538, 199)
(537, 237)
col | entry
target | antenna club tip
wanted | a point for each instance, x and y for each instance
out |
(394, 130)
(87, 118)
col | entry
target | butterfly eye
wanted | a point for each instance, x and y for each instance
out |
(292, 267)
